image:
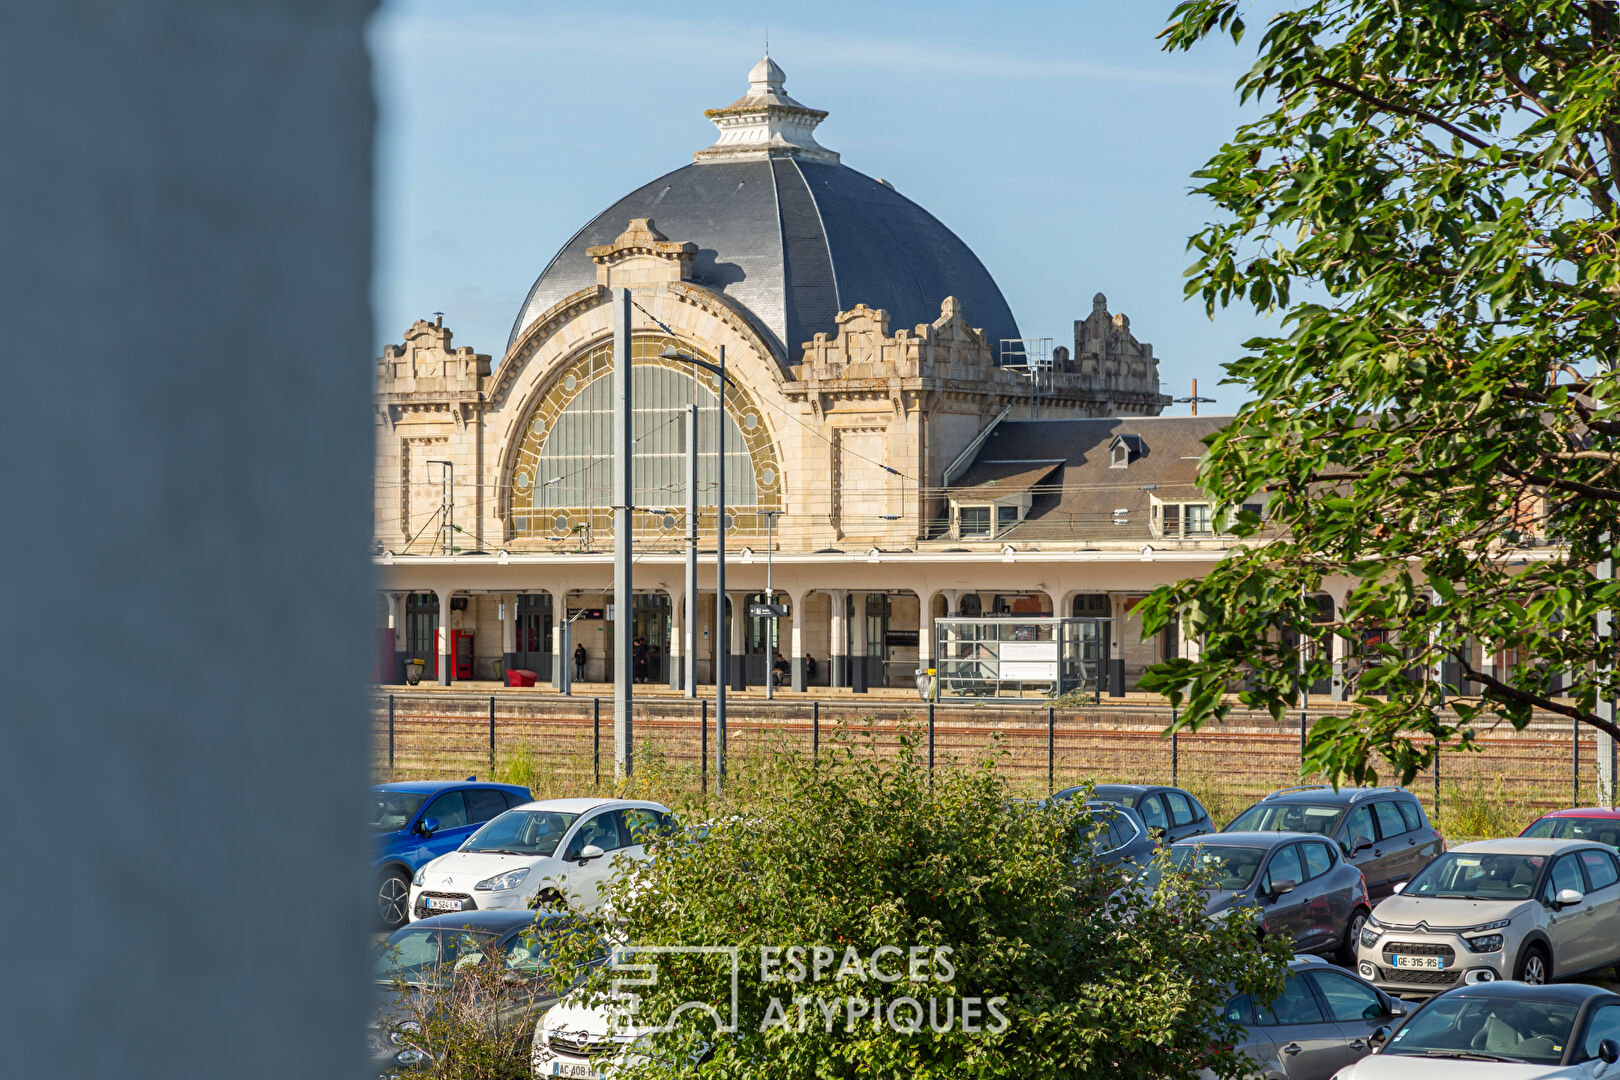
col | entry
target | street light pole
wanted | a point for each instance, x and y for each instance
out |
(623, 496)
(690, 630)
(722, 644)
(770, 517)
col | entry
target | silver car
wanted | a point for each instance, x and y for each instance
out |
(1525, 909)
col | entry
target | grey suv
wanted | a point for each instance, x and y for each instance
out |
(1525, 909)
(1382, 830)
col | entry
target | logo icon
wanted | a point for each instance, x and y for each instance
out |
(634, 974)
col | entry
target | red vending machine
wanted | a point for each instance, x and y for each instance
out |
(461, 655)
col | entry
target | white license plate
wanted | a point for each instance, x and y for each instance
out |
(441, 903)
(1422, 963)
(572, 1070)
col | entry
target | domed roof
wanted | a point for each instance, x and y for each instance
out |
(788, 231)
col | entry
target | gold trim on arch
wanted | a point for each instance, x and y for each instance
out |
(657, 530)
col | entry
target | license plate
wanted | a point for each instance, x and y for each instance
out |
(1423, 963)
(441, 903)
(572, 1070)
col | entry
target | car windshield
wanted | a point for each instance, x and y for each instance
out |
(1230, 868)
(393, 810)
(1601, 830)
(1478, 875)
(1287, 817)
(1508, 1029)
(1108, 829)
(522, 832)
(1117, 796)
(426, 956)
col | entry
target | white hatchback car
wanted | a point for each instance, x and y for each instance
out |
(561, 850)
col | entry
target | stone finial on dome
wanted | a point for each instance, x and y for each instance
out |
(766, 122)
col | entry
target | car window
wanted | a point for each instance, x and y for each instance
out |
(1199, 813)
(1152, 811)
(484, 803)
(601, 830)
(1600, 869)
(393, 810)
(1390, 822)
(1296, 1006)
(450, 809)
(1348, 999)
(1602, 830)
(514, 798)
(1286, 817)
(640, 825)
(1318, 860)
(1412, 815)
(1358, 828)
(1566, 874)
(1238, 1011)
(1285, 866)
(524, 955)
(1180, 812)
(1604, 1023)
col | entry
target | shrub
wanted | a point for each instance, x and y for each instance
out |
(882, 866)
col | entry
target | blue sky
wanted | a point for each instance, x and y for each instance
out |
(1055, 138)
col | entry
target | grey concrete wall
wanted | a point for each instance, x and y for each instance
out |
(187, 201)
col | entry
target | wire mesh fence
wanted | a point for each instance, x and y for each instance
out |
(564, 745)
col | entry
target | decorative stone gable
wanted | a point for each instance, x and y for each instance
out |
(641, 257)
(1108, 357)
(864, 349)
(425, 364)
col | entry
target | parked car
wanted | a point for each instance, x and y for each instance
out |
(428, 954)
(1299, 885)
(1525, 909)
(1322, 1021)
(419, 820)
(1600, 824)
(1116, 834)
(560, 850)
(1383, 830)
(1500, 1031)
(1169, 813)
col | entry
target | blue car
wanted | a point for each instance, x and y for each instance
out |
(418, 820)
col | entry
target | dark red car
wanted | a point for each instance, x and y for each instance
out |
(1597, 823)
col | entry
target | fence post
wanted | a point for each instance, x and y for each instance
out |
(492, 733)
(1051, 748)
(1175, 749)
(930, 746)
(390, 731)
(1437, 776)
(815, 728)
(703, 749)
(1575, 764)
(596, 741)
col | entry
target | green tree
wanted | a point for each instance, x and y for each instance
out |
(1430, 201)
(956, 892)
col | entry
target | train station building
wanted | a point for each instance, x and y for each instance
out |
(897, 450)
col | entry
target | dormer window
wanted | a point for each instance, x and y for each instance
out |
(1124, 450)
(986, 521)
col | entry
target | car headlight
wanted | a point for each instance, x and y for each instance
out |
(1488, 943)
(509, 880)
(1369, 937)
(1497, 925)
(421, 876)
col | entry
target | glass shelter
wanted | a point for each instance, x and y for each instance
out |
(1019, 656)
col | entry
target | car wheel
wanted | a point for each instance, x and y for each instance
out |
(393, 899)
(1533, 966)
(1352, 937)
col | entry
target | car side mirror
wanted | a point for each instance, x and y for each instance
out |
(1397, 1007)
(1398, 886)
(589, 852)
(1568, 898)
(428, 826)
(1609, 1051)
(1360, 846)
(1279, 888)
(1379, 1037)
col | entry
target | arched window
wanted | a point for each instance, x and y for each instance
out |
(562, 480)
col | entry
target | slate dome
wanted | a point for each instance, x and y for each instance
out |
(784, 228)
